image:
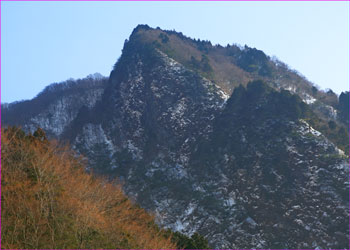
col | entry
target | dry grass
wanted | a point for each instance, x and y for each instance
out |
(225, 73)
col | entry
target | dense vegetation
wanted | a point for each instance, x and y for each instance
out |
(49, 201)
(344, 107)
(196, 241)
(253, 60)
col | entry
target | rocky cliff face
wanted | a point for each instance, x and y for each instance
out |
(243, 166)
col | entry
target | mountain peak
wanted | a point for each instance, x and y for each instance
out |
(261, 169)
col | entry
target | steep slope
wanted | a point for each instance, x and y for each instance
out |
(231, 66)
(226, 67)
(282, 179)
(251, 171)
(152, 107)
(48, 201)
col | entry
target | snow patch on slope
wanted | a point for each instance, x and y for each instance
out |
(306, 128)
(93, 134)
(308, 99)
(62, 112)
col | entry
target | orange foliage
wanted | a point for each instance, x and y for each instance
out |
(49, 201)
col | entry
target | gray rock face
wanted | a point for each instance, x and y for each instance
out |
(244, 172)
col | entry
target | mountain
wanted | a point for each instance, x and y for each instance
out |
(223, 141)
(56, 106)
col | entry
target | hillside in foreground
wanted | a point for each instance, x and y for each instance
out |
(49, 201)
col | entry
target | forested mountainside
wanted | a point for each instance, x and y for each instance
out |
(223, 141)
(56, 106)
(49, 201)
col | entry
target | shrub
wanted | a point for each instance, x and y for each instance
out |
(49, 201)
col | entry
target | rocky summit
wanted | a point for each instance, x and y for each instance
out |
(223, 141)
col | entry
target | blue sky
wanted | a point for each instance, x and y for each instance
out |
(46, 42)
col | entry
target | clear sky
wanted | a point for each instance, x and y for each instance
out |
(46, 42)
